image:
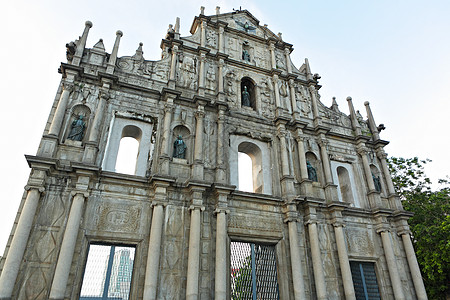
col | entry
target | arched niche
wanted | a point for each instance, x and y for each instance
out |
(345, 186)
(311, 158)
(128, 150)
(123, 127)
(260, 155)
(74, 113)
(248, 86)
(185, 134)
(376, 178)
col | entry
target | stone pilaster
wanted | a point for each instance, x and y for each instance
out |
(394, 200)
(294, 110)
(65, 257)
(315, 107)
(287, 183)
(55, 127)
(221, 39)
(355, 124)
(319, 276)
(90, 152)
(291, 219)
(194, 244)
(287, 53)
(272, 55)
(276, 91)
(221, 168)
(173, 64)
(374, 196)
(154, 244)
(344, 263)
(19, 241)
(165, 144)
(198, 144)
(201, 74)
(386, 239)
(372, 125)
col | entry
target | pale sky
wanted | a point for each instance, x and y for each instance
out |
(395, 54)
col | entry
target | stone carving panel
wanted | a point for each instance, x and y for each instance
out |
(118, 218)
(359, 242)
(255, 223)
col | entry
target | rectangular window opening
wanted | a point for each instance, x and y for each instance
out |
(365, 280)
(253, 271)
(108, 272)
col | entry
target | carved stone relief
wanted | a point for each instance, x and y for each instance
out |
(118, 218)
(211, 77)
(359, 242)
(187, 74)
(255, 223)
(266, 98)
(211, 39)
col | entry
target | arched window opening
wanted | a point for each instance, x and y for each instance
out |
(248, 92)
(245, 172)
(126, 161)
(256, 171)
(127, 156)
(345, 186)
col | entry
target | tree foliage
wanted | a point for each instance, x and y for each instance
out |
(430, 225)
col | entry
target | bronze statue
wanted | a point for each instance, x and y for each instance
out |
(312, 174)
(77, 129)
(245, 55)
(376, 182)
(179, 148)
(246, 97)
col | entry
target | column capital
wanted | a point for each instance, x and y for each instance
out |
(311, 221)
(157, 203)
(196, 206)
(275, 78)
(287, 51)
(322, 142)
(85, 194)
(381, 154)
(271, 45)
(40, 189)
(200, 113)
(168, 107)
(221, 210)
(68, 86)
(379, 228)
(362, 150)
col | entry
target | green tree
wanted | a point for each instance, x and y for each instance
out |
(430, 225)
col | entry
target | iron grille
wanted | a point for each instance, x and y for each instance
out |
(365, 280)
(108, 273)
(253, 272)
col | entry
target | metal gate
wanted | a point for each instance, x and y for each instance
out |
(253, 272)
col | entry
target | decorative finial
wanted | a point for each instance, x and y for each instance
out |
(366, 103)
(280, 35)
(217, 10)
(202, 10)
(119, 33)
(88, 24)
(349, 98)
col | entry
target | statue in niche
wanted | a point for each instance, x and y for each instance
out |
(246, 97)
(179, 148)
(312, 174)
(376, 182)
(77, 129)
(245, 55)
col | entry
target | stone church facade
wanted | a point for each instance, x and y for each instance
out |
(323, 220)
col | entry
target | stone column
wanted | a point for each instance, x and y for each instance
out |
(301, 156)
(284, 155)
(319, 277)
(220, 170)
(198, 144)
(165, 143)
(65, 257)
(60, 111)
(98, 119)
(344, 263)
(413, 266)
(154, 251)
(203, 33)
(201, 75)
(288, 60)
(221, 43)
(221, 254)
(19, 242)
(296, 262)
(194, 245)
(387, 175)
(325, 160)
(112, 59)
(396, 282)
(363, 152)
(276, 90)
(221, 63)
(355, 124)
(272, 55)
(293, 100)
(173, 63)
(315, 107)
